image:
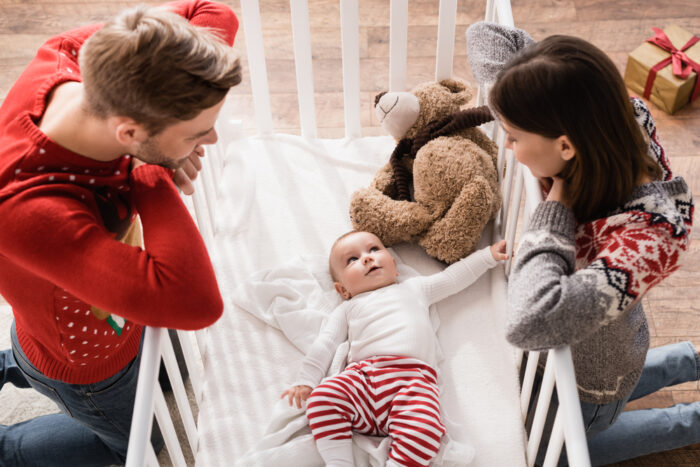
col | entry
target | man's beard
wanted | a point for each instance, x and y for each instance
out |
(151, 154)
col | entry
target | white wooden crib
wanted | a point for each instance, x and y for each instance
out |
(516, 183)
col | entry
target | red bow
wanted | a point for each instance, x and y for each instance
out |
(682, 64)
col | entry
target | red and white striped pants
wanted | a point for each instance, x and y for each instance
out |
(395, 396)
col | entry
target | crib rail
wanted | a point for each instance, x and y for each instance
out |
(521, 194)
(559, 371)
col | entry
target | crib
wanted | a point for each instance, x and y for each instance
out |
(226, 388)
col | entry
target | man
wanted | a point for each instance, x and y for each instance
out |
(102, 126)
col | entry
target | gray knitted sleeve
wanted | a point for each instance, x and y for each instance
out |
(490, 46)
(544, 293)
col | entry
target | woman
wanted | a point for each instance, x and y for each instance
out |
(614, 224)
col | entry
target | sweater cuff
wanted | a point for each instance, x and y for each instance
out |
(150, 175)
(487, 257)
(553, 216)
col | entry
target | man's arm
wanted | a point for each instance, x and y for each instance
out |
(53, 234)
(213, 15)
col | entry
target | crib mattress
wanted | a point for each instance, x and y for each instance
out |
(282, 197)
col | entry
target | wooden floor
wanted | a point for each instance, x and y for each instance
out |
(615, 26)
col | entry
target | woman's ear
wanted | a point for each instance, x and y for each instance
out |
(340, 288)
(566, 149)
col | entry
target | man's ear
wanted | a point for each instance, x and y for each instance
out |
(340, 288)
(566, 148)
(126, 131)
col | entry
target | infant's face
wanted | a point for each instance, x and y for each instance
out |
(361, 264)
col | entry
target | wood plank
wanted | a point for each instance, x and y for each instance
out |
(599, 10)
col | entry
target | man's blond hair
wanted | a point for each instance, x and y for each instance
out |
(153, 66)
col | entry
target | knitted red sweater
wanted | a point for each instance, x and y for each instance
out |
(63, 218)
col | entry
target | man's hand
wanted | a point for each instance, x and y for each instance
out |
(298, 394)
(188, 171)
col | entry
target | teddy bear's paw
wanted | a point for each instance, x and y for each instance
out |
(456, 235)
(384, 181)
(390, 220)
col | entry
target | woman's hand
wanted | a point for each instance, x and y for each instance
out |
(298, 394)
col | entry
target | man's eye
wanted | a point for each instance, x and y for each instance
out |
(351, 259)
(510, 139)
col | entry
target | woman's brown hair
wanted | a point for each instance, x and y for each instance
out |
(566, 86)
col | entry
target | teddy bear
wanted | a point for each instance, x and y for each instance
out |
(440, 187)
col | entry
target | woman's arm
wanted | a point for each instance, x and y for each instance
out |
(490, 46)
(552, 304)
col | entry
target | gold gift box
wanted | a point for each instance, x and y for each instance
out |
(668, 92)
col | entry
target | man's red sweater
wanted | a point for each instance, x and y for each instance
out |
(63, 216)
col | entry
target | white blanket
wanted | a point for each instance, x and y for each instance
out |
(296, 299)
(285, 197)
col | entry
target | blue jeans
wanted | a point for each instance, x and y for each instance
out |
(93, 428)
(614, 435)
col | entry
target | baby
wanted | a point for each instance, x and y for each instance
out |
(390, 384)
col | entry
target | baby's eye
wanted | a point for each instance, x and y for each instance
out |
(352, 259)
(373, 249)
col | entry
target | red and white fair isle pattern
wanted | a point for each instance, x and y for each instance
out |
(84, 337)
(635, 249)
(639, 246)
(381, 396)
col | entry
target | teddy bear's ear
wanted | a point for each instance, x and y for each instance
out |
(461, 90)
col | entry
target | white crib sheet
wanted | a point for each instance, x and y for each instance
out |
(282, 197)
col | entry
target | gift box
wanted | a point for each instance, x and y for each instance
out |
(665, 68)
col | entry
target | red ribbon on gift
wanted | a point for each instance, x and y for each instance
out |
(682, 64)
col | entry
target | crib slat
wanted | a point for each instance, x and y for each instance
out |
(507, 182)
(252, 26)
(503, 14)
(446, 39)
(541, 411)
(398, 37)
(576, 444)
(151, 458)
(528, 381)
(141, 421)
(205, 222)
(209, 186)
(556, 441)
(512, 222)
(490, 11)
(301, 37)
(192, 367)
(349, 24)
(165, 422)
(178, 386)
(201, 339)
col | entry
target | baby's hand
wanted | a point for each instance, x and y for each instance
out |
(498, 250)
(298, 393)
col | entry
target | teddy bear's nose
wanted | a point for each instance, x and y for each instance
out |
(377, 97)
